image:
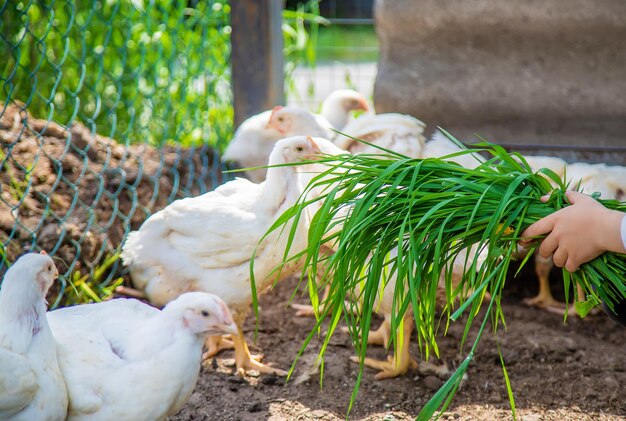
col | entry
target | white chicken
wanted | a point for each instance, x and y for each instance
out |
(556, 165)
(607, 180)
(31, 384)
(205, 243)
(337, 106)
(254, 139)
(293, 121)
(397, 132)
(125, 360)
(440, 146)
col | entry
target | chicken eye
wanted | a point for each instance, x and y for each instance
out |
(299, 148)
(205, 313)
(281, 119)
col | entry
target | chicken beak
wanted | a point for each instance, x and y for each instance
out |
(230, 328)
(271, 125)
(363, 105)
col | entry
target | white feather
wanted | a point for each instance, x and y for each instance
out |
(440, 146)
(397, 132)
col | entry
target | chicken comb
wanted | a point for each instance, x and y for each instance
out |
(313, 143)
(276, 108)
(269, 121)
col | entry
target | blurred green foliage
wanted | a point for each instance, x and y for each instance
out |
(300, 38)
(138, 71)
(135, 70)
(347, 44)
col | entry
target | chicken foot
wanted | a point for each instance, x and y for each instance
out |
(544, 299)
(306, 310)
(131, 292)
(217, 343)
(379, 336)
(571, 310)
(245, 361)
(401, 361)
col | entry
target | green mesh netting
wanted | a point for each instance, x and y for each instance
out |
(109, 110)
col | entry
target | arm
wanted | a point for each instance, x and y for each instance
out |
(580, 232)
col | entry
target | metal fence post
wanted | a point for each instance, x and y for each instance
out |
(257, 56)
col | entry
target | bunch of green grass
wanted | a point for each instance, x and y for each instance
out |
(429, 210)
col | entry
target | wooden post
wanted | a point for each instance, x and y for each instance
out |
(257, 56)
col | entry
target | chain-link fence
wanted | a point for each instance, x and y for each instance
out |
(109, 110)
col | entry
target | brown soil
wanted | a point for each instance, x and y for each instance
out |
(575, 371)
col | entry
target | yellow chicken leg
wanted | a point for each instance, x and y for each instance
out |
(401, 361)
(216, 344)
(544, 299)
(381, 335)
(571, 311)
(306, 310)
(245, 361)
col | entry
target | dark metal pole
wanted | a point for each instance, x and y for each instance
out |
(257, 56)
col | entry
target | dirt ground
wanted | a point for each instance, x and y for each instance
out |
(575, 371)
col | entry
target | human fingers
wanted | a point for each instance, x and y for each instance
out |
(577, 197)
(572, 265)
(560, 257)
(548, 246)
(543, 226)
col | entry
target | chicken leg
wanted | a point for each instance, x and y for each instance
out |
(401, 361)
(243, 359)
(544, 299)
(216, 344)
(571, 311)
(306, 310)
(381, 335)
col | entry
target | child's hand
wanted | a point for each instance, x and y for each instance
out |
(578, 233)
